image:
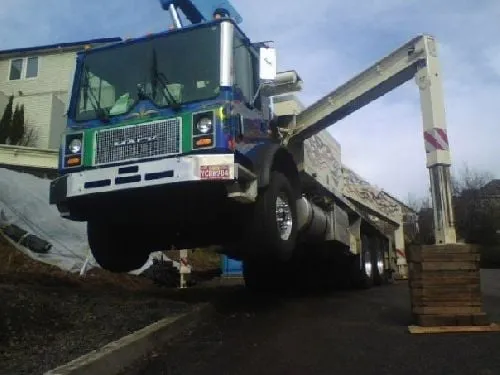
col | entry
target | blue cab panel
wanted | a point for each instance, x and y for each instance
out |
(231, 267)
(197, 11)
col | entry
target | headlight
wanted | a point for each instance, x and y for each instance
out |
(204, 125)
(75, 146)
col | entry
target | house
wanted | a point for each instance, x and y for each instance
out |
(491, 191)
(40, 78)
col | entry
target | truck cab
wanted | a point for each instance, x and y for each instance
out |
(168, 142)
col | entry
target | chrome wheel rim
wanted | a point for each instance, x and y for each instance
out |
(380, 264)
(284, 218)
(368, 264)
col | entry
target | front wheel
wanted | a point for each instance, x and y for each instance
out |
(272, 228)
(116, 248)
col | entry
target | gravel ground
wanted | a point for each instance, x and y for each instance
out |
(49, 317)
(346, 332)
(45, 327)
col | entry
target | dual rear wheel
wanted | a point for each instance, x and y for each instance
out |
(369, 265)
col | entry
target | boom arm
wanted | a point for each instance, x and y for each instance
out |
(417, 58)
(197, 11)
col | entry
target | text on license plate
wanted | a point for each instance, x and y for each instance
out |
(214, 172)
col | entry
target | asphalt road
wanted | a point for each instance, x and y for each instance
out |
(347, 332)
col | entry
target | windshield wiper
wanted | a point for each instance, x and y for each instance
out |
(158, 76)
(101, 114)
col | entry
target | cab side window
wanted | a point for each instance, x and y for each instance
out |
(245, 69)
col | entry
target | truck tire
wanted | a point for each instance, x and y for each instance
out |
(272, 230)
(114, 249)
(379, 276)
(362, 268)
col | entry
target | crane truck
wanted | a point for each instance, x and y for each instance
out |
(172, 141)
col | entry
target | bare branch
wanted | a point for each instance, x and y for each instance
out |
(30, 136)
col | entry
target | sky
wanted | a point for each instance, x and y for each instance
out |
(328, 44)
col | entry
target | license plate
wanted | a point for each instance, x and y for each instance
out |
(214, 172)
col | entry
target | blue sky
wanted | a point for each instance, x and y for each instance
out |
(328, 44)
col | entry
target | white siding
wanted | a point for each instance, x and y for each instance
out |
(54, 72)
(45, 98)
(58, 123)
(3, 102)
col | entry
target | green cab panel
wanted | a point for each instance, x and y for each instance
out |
(89, 143)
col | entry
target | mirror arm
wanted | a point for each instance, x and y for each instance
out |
(252, 103)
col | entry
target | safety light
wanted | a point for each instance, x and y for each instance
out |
(201, 142)
(73, 161)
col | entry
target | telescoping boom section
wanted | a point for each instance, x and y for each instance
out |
(416, 59)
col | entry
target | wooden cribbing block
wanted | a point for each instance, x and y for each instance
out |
(445, 285)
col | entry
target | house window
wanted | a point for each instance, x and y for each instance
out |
(16, 69)
(32, 67)
(23, 68)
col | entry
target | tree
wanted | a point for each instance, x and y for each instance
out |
(14, 129)
(30, 136)
(6, 121)
(477, 212)
(475, 218)
(18, 127)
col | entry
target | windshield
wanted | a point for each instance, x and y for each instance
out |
(170, 70)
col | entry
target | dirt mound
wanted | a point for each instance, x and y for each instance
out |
(49, 316)
(18, 268)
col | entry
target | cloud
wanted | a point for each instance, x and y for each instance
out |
(328, 42)
(383, 141)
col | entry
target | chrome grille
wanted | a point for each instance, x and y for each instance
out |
(153, 139)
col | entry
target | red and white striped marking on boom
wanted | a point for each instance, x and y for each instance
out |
(401, 253)
(436, 139)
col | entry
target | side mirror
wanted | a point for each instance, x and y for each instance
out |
(267, 64)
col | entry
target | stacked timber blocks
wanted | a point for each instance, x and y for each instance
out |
(445, 285)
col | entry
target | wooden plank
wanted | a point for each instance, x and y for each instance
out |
(445, 282)
(454, 329)
(452, 289)
(446, 310)
(449, 249)
(423, 293)
(435, 320)
(465, 300)
(443, 266)
(466, 297)
(451, 320)
(445, 304)
(438, 257)
(416, 273)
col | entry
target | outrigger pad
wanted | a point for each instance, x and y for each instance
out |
(197, 11)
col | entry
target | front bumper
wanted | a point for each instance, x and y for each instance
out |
(221, 167)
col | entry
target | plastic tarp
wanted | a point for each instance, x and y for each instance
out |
(24, 202)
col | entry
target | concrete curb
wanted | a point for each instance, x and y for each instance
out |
(117, 355)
